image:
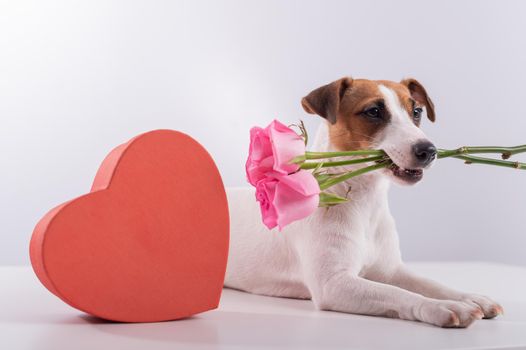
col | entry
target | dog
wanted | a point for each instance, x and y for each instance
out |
(346, 258)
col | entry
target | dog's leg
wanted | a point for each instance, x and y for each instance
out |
(332, 258)
(346, 293)
(406, 279)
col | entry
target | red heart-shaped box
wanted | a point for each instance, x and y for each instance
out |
(148, 243)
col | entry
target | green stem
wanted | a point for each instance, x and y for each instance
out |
(463, 153)
(506, 152)
(497, 162)
(313, 165)
(349, 175)
(365, 152)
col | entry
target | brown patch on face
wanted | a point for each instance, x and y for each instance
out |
(344, 103)
(405, 98)
(352, 129)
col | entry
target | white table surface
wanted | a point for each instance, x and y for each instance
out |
(33, 318)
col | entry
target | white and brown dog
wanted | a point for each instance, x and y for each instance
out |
(347, 258)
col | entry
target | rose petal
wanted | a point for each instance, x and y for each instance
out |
(260, 146)
(286, 145)
(291, 205)
(260, 159)
(265, 195)
(302, 182)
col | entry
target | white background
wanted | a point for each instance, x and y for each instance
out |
(80, 77)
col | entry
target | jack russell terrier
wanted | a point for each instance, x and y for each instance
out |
(347, 258)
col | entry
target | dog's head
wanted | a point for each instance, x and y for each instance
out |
(367, 114)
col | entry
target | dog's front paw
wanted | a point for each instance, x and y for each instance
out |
(448, 313)
(489, 307)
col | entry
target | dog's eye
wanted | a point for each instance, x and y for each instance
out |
(417, 113)
(373, 113)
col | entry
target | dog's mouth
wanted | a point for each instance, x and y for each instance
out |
(407, 175)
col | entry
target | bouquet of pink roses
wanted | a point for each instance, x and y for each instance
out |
(290, 188)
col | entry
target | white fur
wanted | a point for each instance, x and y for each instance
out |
(345, 258)
(403, 133)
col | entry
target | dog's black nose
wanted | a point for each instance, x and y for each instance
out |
(425, 153)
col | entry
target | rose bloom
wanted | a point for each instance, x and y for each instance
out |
(271, 150)
(287, 198)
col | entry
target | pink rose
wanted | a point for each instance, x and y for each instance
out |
(287, 198)
(271, 150)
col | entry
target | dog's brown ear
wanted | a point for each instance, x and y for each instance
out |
(325, 100)
(420, 95)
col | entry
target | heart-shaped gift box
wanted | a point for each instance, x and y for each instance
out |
(148, 243)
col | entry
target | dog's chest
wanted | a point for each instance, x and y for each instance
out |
(372, 236)
(374, 250)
